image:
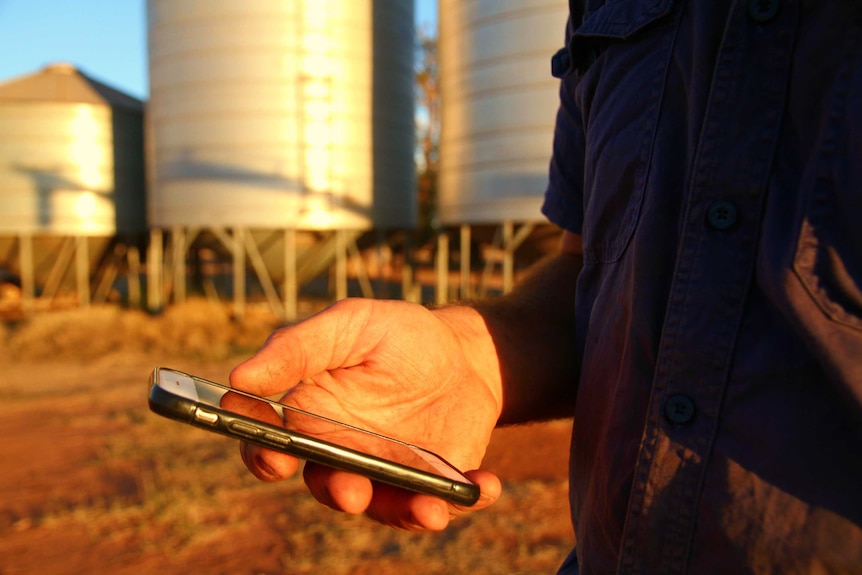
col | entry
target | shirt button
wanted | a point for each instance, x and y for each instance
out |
(762, 11)
(721, 215)
(679, 409)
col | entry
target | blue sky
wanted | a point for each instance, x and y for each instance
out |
(104, 38)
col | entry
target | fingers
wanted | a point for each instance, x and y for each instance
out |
(391, 505)
(410, 511)
(354, 494)
(249, 407)
(337, 489)
(267, 465)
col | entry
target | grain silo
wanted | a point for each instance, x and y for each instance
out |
(499, 102)
(71, 176)
(270, 115)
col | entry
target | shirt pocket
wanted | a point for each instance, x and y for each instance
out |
(622, 50)
(828, 257)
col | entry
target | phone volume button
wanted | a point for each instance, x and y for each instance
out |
(274, 439)
(243, 429)
(206, 417)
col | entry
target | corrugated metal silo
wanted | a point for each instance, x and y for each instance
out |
(498, 107)
(281, 114)
(71, 179)
(71, 156)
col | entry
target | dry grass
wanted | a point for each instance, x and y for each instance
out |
(197, 328)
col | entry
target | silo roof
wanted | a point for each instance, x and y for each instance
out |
(63, 82)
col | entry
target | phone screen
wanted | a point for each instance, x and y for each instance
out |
(321, 431)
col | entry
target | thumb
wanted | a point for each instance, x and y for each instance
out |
(323, 342)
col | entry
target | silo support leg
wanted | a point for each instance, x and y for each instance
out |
(133, 275)
(178, 245)
(82, 270)
(508, 256)
(290, 282)
(383, 255)
(466, 291)
(511, 242)
(155, 265)
(239, 273)
(58, 270)
(225, 238)
(28, 281)
(361, 274)
(442, 295)
(109, 275)
(263, 275)
(410, 290)
(340, 265)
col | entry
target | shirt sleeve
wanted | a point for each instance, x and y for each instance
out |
(563, 202)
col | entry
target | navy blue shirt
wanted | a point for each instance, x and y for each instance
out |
(710, 155)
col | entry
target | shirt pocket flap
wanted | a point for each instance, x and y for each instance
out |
(621, 19)
(614, 21)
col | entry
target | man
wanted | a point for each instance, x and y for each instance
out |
(707, 170)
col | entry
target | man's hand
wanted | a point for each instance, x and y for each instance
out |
(430, 378)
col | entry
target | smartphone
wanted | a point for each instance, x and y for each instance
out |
(268, 423)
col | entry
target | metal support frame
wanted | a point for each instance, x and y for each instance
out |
(466, 291)
(442, 291)
(508, 239)
(110, 271)
(133, 275)
(70, 256)
(383, 256)
(166, 266)
(28, 275)
(340, 265)
(410, 290)
(359, 266)
(155, 259)
(58, 269)
(239, 285)
(291, 285)
(72, 248)
(82, 270)
(167, 269)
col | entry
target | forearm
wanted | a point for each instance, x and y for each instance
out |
(524, 342)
